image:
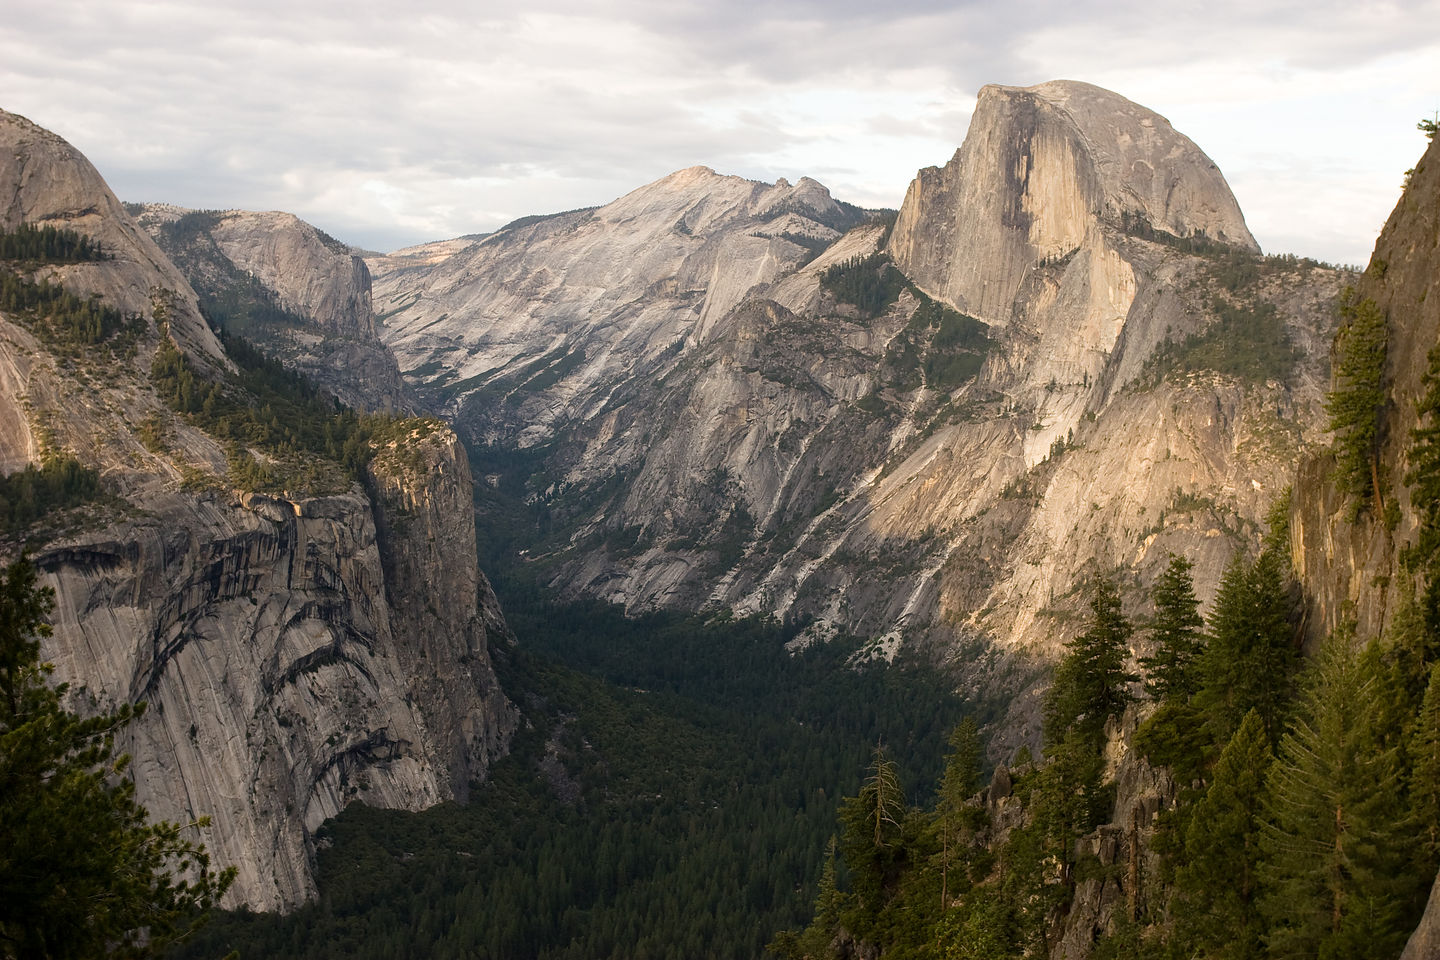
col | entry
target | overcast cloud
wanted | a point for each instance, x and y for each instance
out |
(391, 124)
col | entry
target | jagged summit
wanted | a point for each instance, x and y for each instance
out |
(1044, 172)
(590, 297)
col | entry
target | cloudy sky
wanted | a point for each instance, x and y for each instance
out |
(390, 123)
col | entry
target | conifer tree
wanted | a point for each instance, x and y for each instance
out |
(83, 873)
(1251, 657)
(1215, 900)
(871, 825)
(1335, 839)
(955, 820)
(1092, 682)
(1356, 404)
(1176, 632)
(1424, 756)
(1424, 478)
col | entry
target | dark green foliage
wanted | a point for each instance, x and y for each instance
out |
(1424, 479)
(1334, 842)
(1137, 223)
(869, 283)
(28, 495)
(1175, 736)
(708, 763)
(940, 348)
(274, 410)
(872, 826)
(1251, 657)
(1215, 897)
(31, 244)
(1424, 756)
(1357, 404)
(59, 317)
(83, 873)
(1092, 681)
(957, 349)
(1247, 342)
(1175, 631)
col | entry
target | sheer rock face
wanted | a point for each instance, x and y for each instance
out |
(1351, 565)
(1040, 174)
(706, 428)
(301, 270)
(296, 652)
(1424, 943)
(531, 327)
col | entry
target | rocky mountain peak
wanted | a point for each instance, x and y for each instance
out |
(1045, 172)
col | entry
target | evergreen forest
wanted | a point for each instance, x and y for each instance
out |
(672, 798)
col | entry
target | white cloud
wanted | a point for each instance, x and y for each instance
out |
(390, 125)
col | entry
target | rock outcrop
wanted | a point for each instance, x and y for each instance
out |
(1041, 172)
(298, 651)
(522, 331)
(1424, 943)
(1349, 563)
(291, 289)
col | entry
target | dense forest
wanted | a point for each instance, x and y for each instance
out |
(1304, 824)
(672, 795)
(263, 407)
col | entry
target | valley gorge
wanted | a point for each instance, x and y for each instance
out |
(903, 440)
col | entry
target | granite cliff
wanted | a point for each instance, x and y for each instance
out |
(298, 649)
(288, 287)
(699, 414)
(1368, 565)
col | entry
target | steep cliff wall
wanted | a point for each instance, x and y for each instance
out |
(701, 432)
(288, 666)
(1349, 564)
(1041, 170)
(289, 288)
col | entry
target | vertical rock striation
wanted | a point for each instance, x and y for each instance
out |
(297, 652)
(1041, 171)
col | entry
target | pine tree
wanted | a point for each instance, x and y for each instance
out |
(1176, 632)
(1335, 837)
(871, 826)
(1356, 404)
(1215, 902)
(1424, 756)
(83, 873)
(1251, 658)
(1424, 478)
(955, 819)
(1092, 683)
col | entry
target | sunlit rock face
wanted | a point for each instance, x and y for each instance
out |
(697, 421)
(297, 651)
(1041, 175)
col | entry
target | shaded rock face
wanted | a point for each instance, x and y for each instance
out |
(1424, 943)
(1350, 565)
(313, 293)
(46, 182)
(297, 653)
